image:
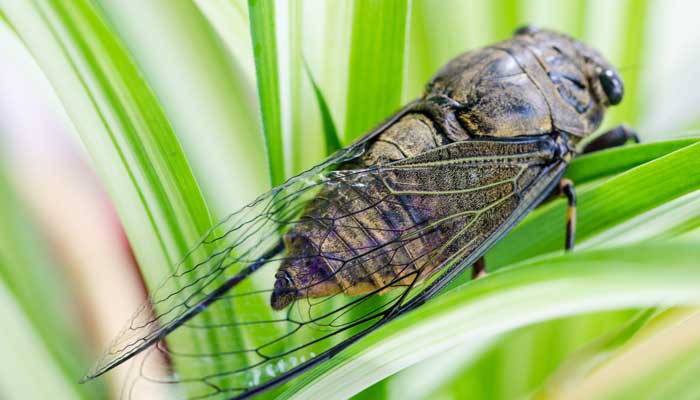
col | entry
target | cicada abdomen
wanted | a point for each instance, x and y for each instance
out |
(329, 250)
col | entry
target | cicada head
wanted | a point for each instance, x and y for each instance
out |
(537, 82)
(586, 84)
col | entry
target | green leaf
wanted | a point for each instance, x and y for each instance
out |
(564, 16)
(634, 24)
(42, 334)
(376, 63)
(262, 30)
(121, 124)
(207, 90)
(593, 355)
(124, 130)
(28, 359)
(510, 366)
(230, 19)
(625, 277)
(600, 164)
(505, 18)
(604, 205)
(649, 359)
(330, 133)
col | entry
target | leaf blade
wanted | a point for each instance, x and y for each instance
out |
(263, 33)
(376, 63)
(572, 283)
(330, 133)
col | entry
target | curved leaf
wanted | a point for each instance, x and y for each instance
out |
(123, 128)
(635, 276)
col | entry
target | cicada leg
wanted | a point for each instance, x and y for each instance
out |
(617, 136)
(479, 268)
(566, 186)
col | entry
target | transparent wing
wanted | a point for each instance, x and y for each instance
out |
(363, 245)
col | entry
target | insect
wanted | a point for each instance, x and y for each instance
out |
(381, 226)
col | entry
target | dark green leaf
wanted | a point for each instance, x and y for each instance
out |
(330, 133)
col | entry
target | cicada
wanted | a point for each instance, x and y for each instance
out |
(380, 227)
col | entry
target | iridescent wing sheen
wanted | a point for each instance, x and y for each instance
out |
(409, 226)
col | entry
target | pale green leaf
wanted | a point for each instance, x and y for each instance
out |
(376, 63)
(635, 276)
(262, 29)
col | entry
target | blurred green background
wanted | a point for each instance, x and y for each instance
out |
(127, 127)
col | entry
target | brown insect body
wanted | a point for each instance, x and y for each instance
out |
(521, 105)
(379, 227)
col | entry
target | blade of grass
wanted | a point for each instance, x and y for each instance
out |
(649, 363)
(27, 360)
(231, 21)
(330, 133)
(505, 18)
(302, 35)
(666, 221)
(206, 89)
(127, 134)
(604, 163)
(540, 290)
(124, 130)
(593, 355)
(301, 138)
(264, 36)
(42, 336)
(569, 17)
(602, 206)
(511, 366)
(376, 63)
(632, 56)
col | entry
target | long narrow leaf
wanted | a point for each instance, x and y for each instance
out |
(652, 363)
(616, 200)
(124, 130)
(541, 290)
(42, 336)
(28, 359)
(633, 55)
(609, 162)
(207, 90)
(263, 33)
(330, 133)
(376, 63)
(506, 17)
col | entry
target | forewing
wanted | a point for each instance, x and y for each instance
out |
(230, 249)
(402, 230)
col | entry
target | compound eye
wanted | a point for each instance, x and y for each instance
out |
(612, 86)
